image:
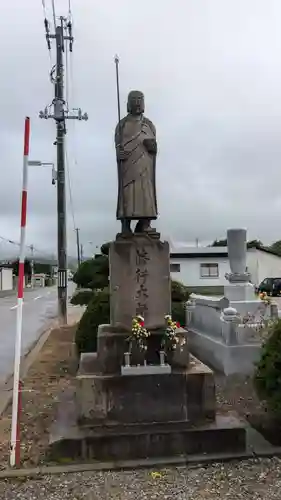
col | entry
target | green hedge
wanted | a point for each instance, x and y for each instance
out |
(97, 313)
(82, 297)
(267, 378)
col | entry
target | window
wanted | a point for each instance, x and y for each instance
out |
(175, 268)
(209, 270)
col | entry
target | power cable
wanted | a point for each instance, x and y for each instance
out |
(16, 243)
(69, 11)
(69, 187)
(66, 146)
(54, 14)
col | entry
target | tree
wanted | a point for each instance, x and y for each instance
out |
(276, 247)
(93, 273)
(27, 267)
(250, 244)
(255, 244)
(219, 243)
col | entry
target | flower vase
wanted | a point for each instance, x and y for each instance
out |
(137, 355)
(170, 356)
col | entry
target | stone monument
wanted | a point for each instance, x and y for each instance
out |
(162, 407)
(136, 150)
(240, 287)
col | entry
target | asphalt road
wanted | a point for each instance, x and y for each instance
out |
(39, 309)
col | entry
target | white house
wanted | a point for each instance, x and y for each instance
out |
(6, 279)
(203, 269)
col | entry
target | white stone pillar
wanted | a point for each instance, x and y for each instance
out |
(239, 288)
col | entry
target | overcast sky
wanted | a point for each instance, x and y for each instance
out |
(211, 74)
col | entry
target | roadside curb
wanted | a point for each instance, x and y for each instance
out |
(26, 362)
(28, 359)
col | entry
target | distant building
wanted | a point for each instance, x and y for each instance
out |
(6, 279)
(203, 269)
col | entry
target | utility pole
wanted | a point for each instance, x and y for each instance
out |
(62, 36)
(78, 247)
(81, 254)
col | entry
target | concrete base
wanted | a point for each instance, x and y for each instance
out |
(134, 399)
(239, 292)
(229, 359)
(129, 442)
(115, 441)
(146, 370)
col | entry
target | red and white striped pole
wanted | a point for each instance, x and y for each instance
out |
(15, 433)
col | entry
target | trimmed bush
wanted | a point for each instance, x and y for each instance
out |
(179, 292)
(267, 378)
(97, 313)
(93, 273)
(178, 312)
(82, 297)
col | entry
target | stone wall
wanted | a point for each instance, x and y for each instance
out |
(218, 336)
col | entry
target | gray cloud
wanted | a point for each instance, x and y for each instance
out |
(211, 74)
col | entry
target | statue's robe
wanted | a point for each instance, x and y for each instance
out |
(136, 175)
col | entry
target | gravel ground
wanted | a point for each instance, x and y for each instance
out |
(248, 480)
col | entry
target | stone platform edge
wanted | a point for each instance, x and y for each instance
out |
(192, 461)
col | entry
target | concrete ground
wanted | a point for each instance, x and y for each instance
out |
(39, 309)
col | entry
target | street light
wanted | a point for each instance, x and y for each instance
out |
(34, 163)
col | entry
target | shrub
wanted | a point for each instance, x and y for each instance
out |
(267, 378)
(179, 292)
(82, 297)
(178, 312)
(97, 313)
(93, 273)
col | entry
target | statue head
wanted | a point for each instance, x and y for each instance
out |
(135, 104)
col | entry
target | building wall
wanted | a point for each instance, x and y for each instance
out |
(260, 264)
(263, 265)
(190, 271)
(6, 279)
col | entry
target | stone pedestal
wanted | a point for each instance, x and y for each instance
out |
(145, 414)
(240, 292)
(139, 268)
(186, 396)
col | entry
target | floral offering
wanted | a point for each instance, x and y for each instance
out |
(265, 298)
(139, 333)
(171, 339)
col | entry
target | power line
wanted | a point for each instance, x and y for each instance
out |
(54, 13)
(69, 187)
(69, 11)
(16, 243)
(47, 31)
(67, 164)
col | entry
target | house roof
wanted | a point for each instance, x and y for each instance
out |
(191, 252)
(216, 252)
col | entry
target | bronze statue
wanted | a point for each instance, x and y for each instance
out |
(136, 150)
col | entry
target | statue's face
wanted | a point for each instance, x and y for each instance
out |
(135, 104)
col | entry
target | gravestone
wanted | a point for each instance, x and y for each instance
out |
(240, 287)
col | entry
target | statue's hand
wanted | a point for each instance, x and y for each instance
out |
(151, 146)
(122, 155)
